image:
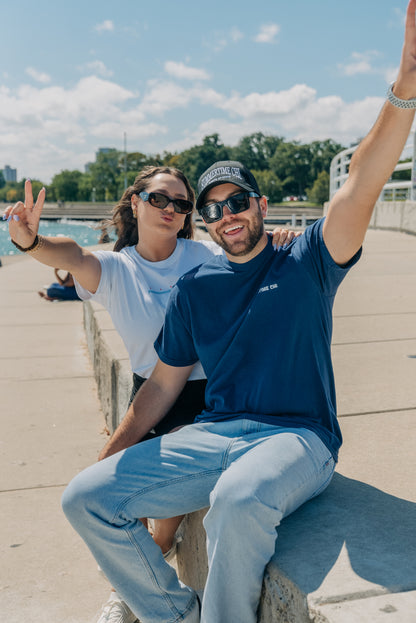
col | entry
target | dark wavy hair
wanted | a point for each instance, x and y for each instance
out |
(122, 219)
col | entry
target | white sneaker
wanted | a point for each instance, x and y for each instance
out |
(116, 611)
(171, 553)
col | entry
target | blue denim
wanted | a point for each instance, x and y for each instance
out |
(250, 474)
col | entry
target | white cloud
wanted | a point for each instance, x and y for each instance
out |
(44, 129)
(99, 68)
(331, 117)
(236, 34)
(180, 70)
(39, 76)
(217, 41)
(399, 18)
(361, 63)
(267, 33)
(390, 74)
(106, 26)
(304, 118)
(272, 103)
(163, 96)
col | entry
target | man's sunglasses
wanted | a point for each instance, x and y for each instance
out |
(213, 212)
(159, 200)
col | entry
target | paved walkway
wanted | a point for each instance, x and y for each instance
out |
(52, 427)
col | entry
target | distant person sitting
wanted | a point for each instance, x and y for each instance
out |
(63, 290)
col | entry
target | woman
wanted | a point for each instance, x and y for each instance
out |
(153, 221)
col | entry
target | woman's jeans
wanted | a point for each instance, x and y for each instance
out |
(250, 474)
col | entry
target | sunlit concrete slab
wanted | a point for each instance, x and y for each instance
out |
(375, 377)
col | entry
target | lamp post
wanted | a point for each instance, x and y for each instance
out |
(125, 161)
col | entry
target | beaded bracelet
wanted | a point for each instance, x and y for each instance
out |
(36, 244)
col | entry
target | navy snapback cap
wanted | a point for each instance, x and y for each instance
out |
(225, 172)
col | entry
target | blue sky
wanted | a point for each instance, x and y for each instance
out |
(74, 76)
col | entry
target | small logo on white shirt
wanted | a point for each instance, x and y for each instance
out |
(272, 286)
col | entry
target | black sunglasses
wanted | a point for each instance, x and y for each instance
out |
(213, 212)
(159, 200)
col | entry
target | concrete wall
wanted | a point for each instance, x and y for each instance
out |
(393, 215)
(110, 361)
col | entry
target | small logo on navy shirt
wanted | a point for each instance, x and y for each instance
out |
(272, 286)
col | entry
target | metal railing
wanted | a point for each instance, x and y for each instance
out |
(394, 190)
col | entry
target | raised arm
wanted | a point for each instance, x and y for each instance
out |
(62, 253)
(374, 160)
(150, 405)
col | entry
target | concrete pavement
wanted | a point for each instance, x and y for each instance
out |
(351, 551)
(51, 428)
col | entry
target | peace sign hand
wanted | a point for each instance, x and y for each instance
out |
(23, 218)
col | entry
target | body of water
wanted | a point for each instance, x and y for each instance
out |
(83, 232)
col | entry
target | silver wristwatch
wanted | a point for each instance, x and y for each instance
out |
(396, 101)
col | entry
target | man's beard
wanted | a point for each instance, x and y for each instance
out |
(255, 230)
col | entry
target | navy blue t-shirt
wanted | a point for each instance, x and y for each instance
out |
(262, 331)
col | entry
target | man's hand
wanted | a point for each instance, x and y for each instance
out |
(405, 85)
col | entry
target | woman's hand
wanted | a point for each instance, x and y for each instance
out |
(283, 237)
(23, 218)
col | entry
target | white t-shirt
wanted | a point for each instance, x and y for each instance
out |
(135, 292)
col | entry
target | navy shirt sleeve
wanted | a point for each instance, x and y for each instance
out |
(311, 250)
(174, 344)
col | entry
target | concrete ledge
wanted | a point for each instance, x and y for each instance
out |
(110, 361)
(281, 599)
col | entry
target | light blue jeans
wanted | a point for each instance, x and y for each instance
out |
(250, 474)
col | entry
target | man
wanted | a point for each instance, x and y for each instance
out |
(260, 322)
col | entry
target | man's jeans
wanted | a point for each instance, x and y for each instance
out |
(250, 474)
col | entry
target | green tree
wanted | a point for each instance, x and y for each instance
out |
(105, 173)
(255, 150)
(65, 185)
(269, 185)
(169, 159)
(12, 192)
(37, 186)
(2, 180)
(322, 152)
(404, 175)
(85, 192)
(291, 164)
(194, 161)
(319, 193)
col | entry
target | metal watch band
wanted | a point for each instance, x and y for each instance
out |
(396, 101)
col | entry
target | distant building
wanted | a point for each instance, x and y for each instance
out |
(101, 150)
(104, 150)
(9, 174)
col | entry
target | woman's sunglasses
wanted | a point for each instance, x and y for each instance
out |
(161, 201)
(236, 203)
